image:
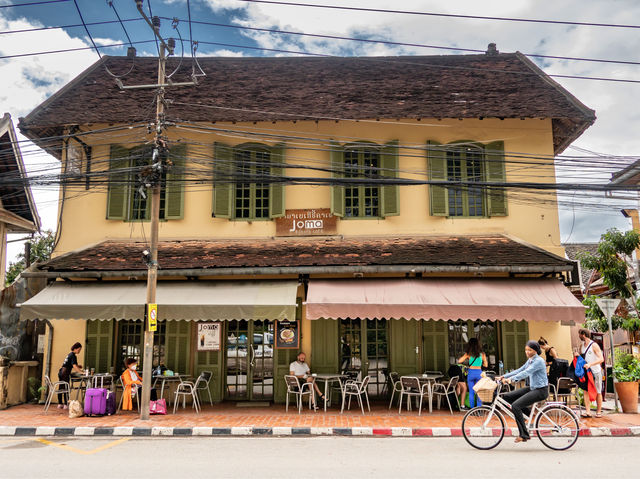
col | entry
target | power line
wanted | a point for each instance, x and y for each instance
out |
(394, 43)
(446, 15)
(43, 2)
(426, 65)
(87, 29)
(66, 50)
(71, 25)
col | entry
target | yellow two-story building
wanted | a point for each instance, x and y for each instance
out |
(376, 213)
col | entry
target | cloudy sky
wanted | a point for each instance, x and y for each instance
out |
(26, 81)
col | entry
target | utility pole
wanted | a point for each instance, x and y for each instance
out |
(158, 165)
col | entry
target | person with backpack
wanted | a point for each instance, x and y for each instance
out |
(69, 365)
(477, 359)
(593, 358)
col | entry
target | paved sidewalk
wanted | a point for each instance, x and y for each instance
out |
(228, 419)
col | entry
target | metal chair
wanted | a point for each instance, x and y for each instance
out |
(396, 387)
(120, 384)
(444, 389)
(59, 387)
(411, 387)
(354, 388)
(202, 384)
(184, 389)
(294, 387)
(565, 390)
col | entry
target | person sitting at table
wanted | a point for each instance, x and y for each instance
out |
(132, 382)
(69, 365)
(300, 369)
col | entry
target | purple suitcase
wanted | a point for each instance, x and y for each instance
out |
(95, 402)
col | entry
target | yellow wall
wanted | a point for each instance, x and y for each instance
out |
(65, 333)
(557, 335)
(84, 220)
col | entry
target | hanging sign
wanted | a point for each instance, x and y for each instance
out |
(209, 336)
(152, 316)
(287, 335)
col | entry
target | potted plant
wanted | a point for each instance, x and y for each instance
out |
(627, 371)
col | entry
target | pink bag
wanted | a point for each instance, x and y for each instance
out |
(158, 407)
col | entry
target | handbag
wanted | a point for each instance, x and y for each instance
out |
(158, 407)
(75, 409)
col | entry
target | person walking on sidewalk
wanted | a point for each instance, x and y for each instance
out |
(69, 365)
(593, 358)
(476, 359)
(536, 370)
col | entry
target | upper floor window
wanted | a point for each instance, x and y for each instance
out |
(463, 164)
(248, 182)
(362, 161)
(129, 199)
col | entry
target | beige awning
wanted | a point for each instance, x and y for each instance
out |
(177, 300)
(444, 299)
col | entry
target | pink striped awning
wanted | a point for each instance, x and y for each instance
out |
(444, 298)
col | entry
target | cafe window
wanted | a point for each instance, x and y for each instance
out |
(131, 343)
(461, 331)
(461, 165)
(249, 182)
(352, 196)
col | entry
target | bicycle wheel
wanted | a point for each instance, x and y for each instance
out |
(483, 429)
(557, 427)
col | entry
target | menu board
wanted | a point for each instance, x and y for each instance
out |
(208, 336)
(287, 335)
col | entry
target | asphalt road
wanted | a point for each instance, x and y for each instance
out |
(304, 458)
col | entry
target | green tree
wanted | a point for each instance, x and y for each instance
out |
(611, 261)
(41, 248)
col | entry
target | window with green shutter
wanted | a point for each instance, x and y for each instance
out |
(466, 163)
(249, 182)
(362, 161)
(131, 343)
(128, 198)
(514, 335)
(99, 345)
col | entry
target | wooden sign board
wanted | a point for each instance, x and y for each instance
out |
(313, 222)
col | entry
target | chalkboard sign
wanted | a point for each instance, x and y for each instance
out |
(287, 335)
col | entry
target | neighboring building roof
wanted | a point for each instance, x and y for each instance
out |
(331, 88)
(629, 176)
(439, 253)
(572, 250)
(17, 208)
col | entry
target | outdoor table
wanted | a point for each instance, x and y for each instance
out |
(328, 378)
(429, 379)
(100, 378)
(164, 379)
(84, 380)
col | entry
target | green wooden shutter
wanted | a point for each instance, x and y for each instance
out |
(282, 358)
(118, 195)
(495, 173)
(212, 361)
(515, 335)
(390, 205)
(222, 176)
(437, 164)
(436, 345)
(276, 190)
(178, 345)
(174, 190)
(404, 336)
(325, 356)
(337, 169)
(99, 345)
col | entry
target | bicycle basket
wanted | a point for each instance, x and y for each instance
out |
(485, 395)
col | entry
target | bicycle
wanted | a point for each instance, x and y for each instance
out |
(556, 425)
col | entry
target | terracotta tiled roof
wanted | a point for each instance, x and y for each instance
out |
(298, 88)
(489, 250)
(573, 250)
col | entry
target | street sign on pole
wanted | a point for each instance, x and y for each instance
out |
(608, 307)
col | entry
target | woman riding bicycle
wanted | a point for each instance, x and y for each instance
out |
(536, 370)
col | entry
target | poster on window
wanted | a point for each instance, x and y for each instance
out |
(209, 336)
(287, 335)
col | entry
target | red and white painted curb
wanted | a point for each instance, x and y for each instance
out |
(20, 431)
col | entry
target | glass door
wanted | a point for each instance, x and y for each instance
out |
(249, 362)
(364, 349)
